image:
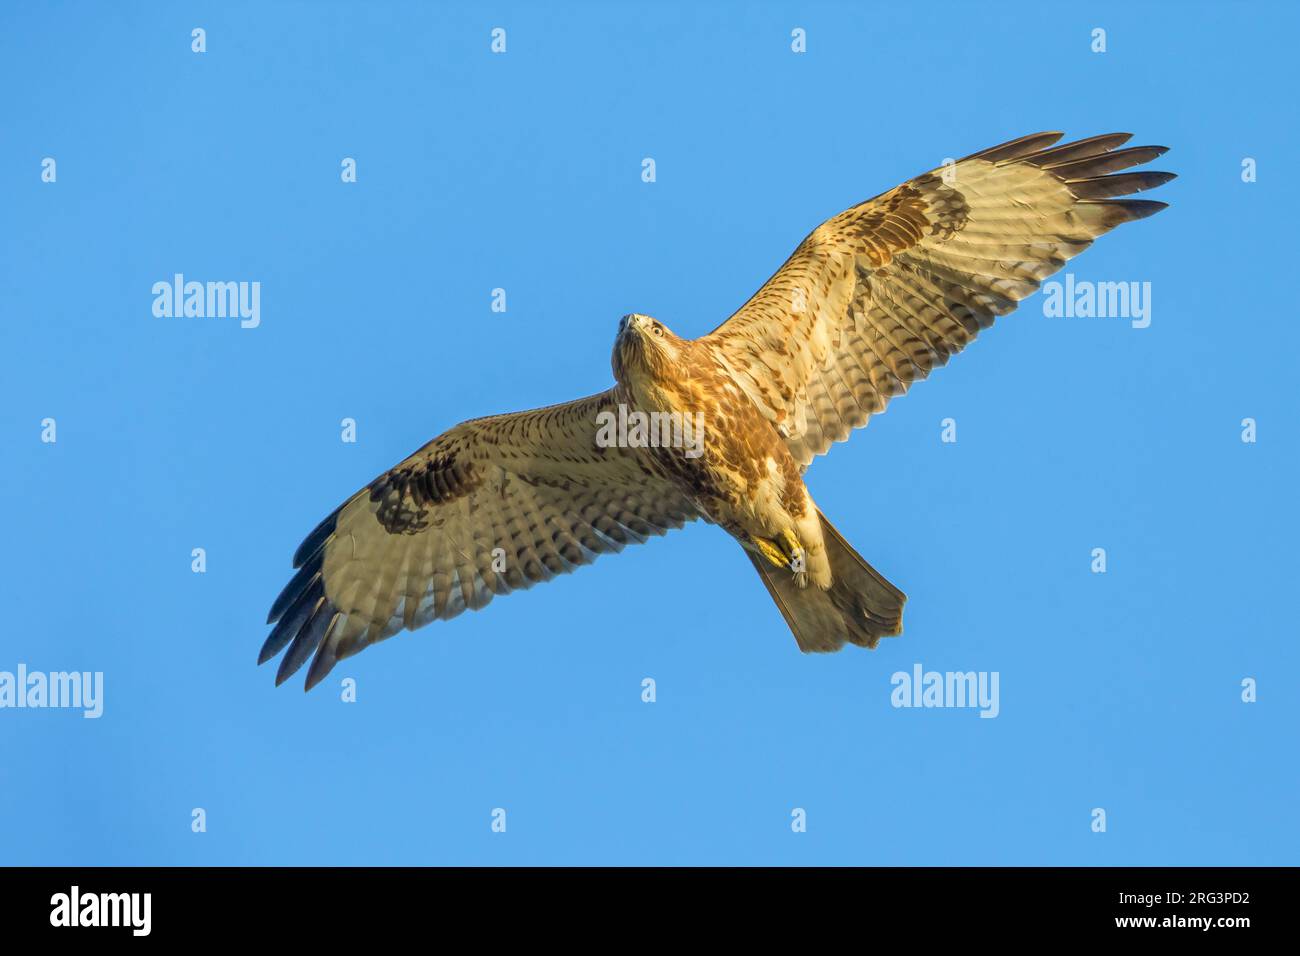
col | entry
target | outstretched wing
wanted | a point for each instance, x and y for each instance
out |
(493, 505)
(879, 295)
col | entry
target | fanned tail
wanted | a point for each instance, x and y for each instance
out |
(860, 607)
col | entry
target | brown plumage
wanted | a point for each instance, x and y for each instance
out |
(872, 300)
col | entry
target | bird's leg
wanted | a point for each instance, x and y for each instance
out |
(792, 546)
(768, 549)
(784, 550)
(798, 559)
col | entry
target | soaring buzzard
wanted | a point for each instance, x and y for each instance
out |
(721, 427)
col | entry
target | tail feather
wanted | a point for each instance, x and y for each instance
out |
(860, 607)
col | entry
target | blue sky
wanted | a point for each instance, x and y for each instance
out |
(522, 171)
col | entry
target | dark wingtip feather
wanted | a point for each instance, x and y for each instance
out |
(299, 583)
(267, 652)
(1119, 184)
(293, 620)
(1108, 162)
(321, 665)
(1016, 148)
(1079, 149)
(1141, 208)
(313, 542)
(307, 640)
(1127, 210)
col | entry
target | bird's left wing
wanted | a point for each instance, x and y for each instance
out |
(493, 505)
(884, 292)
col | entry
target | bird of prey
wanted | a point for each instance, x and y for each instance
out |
(868, 303)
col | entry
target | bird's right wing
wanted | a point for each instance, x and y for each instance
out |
(884, 292)
(493, 505)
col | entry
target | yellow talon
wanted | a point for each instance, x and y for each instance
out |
(770, 551)
(782, 551)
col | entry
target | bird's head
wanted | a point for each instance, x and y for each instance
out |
(645, 347)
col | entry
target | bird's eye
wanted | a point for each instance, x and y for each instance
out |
(658, 331)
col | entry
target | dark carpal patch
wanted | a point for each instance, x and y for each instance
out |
(406, 494)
